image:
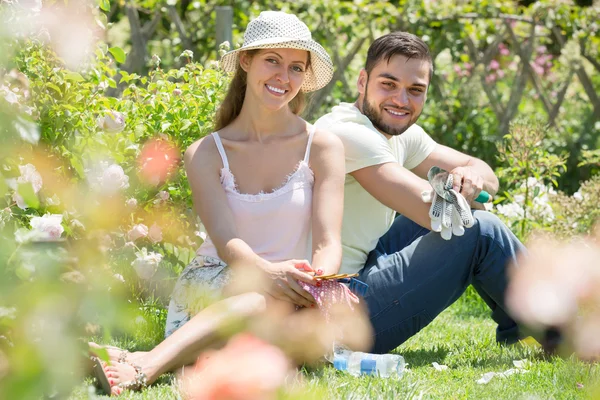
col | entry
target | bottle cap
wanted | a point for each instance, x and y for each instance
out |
(340, 363)
(368, 367)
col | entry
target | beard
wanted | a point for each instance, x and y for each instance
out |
(375, 115)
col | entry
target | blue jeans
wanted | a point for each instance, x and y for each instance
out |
(413, 275)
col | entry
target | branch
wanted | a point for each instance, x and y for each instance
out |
(534, 77)
(505, 17)
(587, 84)
(560, 98)
(591, 59)
(320, 96)
(519, 86)
(185, 39)
(496, 107)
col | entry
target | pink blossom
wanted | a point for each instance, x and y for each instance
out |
(490, 78)
(131, 203)
(503, 49)
(457, 69)
(537, 69)
(500, 73)
(138, 231)
(49, 226)
(163, 195)
(247, 368)
(468, 66)
(155, 233)
(494, 64)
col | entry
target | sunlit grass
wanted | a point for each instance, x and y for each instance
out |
(463, 339)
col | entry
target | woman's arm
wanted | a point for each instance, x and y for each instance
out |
(203, 165)
(327, 163)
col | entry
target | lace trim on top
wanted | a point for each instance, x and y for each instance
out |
(297, 179)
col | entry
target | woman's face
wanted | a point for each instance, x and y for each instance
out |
(274, 75)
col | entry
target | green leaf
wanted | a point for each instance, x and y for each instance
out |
(25, 190)
(118, 54)
(104, 5)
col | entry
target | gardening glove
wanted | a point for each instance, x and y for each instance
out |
(448, 217)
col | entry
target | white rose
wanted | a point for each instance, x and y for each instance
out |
(114, 179)
(155, 234)
(131, 203)
(145, 264)
(163, 195)
(138, 231)
(9, 95)
(50, 226)
(111, 122)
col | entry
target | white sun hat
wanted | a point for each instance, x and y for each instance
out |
(276, 29)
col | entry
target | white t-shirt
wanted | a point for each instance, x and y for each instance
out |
(365, 218)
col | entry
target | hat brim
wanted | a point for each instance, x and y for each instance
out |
(317, 75)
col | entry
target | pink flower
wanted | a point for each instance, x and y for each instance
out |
(468, 66)
(49, 226)
(500, 73)
(457, 69)
(494, 65)
(537, 68)
(503, 49)
(111, 122)
(138, 231)
(247, 368)
(157, 160)
(163, 195)
(155, 233)
(490, 78)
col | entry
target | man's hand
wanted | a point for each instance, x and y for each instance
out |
(284, 285)
(467, 183)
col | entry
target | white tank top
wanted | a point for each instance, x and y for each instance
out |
(276, 225)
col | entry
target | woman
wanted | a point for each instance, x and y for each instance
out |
(268, 188)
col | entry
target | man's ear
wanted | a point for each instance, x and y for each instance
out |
(361, 84)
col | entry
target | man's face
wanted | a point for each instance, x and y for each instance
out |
(393, 94)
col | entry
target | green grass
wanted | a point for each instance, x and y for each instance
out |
(463, 339)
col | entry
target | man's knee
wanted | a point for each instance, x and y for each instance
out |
(488, 222)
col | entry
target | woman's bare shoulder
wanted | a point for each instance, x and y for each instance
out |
(203, 152)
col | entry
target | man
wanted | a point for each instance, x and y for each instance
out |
(413, 274)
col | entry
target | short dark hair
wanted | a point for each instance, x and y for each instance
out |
(398, 43)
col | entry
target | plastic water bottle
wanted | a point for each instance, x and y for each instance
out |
(357, 363)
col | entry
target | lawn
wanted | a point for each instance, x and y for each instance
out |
(461, 338)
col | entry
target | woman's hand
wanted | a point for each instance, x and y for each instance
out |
(284, 286)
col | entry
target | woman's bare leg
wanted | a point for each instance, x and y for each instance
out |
(185, 345)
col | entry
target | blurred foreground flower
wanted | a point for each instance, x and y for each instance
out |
(50, 225)
(70, 29)
(107, 178)
(157, 160)
(247, 368)
(29, 175)
(558, 285)
(137, 232)
(111, 122)
(146, 263)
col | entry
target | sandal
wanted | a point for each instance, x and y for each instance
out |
(139, 381)
(100, 375)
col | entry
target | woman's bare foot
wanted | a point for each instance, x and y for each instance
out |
(115, 354)
(127, 376)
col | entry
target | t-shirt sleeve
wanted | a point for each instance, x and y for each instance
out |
(418, 145)
(363, 147)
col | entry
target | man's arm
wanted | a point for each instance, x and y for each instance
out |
(473, 173)
(397, 188)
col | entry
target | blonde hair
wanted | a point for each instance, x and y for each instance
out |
(232, 104)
